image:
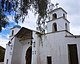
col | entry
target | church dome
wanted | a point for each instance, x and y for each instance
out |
(17, 26)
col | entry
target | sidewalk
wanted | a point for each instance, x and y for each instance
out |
(1, 62)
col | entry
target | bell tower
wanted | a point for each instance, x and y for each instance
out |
(14, 30)
(57, 20)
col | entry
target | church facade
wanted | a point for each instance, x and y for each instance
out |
(57, 46)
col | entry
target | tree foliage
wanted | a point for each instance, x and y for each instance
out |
(20, 9)
(3, 19)
(2, 53)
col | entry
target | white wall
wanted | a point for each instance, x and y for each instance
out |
(51, 47)
(9, 52)
(55, 45)
(25, 46)
(17, 51)
(60, 25)
(74, 41)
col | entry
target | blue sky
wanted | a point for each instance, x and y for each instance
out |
(72, 8)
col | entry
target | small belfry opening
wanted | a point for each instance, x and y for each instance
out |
(54, 27)
(12, 32)
(66, 27)
(29, 55)
(63, 15)
(54, 16)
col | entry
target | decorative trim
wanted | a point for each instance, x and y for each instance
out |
(57, 19)
(55, 32)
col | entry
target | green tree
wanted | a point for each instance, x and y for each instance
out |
(3, 20)
(2, 53)
(20, 9)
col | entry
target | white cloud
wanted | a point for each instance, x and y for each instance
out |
(75, 30)
(73, 10)
(4, 40)
(30, 21)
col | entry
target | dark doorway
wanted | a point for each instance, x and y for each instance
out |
(29, 55)
(49, 60)
(73, 56)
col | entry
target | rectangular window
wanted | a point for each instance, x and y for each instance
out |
(7, 61)
(12, 32)
(73, 56)
(66, 27)
(49, 60)
(63, 15)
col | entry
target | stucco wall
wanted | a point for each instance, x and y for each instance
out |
(56, 46)
(25, 46)
(59, 13)
(17, 50)
(9, 52)
(51, 47)
(60, 25)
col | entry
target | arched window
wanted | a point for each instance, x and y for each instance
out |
(63, 15)
(54, 27)
(7, 61)
(54, 16)
(12, 32)
(66, 26)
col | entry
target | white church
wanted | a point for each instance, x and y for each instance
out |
(57, 46)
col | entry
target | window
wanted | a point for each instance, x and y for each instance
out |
(9, 43)
(54, 27)
(66, 26)
(73, 56)
(63, 15)
(49, 60)
(49, 18)
(7, 61)
(54, 16)
(12, 32)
